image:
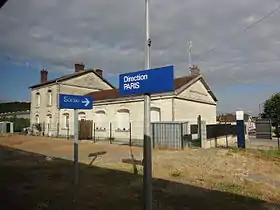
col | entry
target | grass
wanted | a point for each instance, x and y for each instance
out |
(37, 183)
(264, 154)
(271, 154)
(230, 187)
(175, 173)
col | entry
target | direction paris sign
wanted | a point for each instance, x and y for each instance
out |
(156, 80)
(67, 101)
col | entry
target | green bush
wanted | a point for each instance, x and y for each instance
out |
(19, 123)
(276, 133)
(38, 127)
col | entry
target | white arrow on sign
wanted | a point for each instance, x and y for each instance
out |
(86, 102)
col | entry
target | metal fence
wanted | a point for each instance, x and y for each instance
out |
(113, 134)
(218, 130)
(169, 135)
(263, 129)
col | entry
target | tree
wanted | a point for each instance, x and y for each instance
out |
(272, 109)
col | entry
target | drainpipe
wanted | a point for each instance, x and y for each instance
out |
(58, 110)
(172, 106)
(31, 108)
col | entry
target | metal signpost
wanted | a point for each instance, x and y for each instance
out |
(146, 82)
(240, 129)
(75, 102)
(156, 80)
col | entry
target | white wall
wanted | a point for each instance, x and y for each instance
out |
(136, 116)
(185, 107)
(197, 92)
(194, 101)
(44, 110)
(185, 110)
(90, 81)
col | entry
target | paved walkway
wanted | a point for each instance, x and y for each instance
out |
(265, 144)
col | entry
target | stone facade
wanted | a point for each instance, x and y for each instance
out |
(122, 116)
(44, 99)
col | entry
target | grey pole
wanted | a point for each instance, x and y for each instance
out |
(190, 54)
(147, 178)
(76, 155)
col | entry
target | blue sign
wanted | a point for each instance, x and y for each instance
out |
(75, 102)
(147, 81)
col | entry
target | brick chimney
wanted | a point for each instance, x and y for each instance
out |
(79, 67)
(195, 70)
(99, 72)
(44, 76)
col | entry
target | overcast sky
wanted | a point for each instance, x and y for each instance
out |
(243, 68)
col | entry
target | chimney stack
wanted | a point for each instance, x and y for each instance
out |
(195, 71)
(99, 72)
(44, 76)
(79, 67)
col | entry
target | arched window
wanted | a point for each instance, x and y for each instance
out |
(100, 120)
(65, 120)
(123, 119)
(37, 119)
(49, 123)
(82, 116)
(49, 97)
(155, 114)
(38, 99)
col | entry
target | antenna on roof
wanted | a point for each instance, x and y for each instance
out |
(190, 54)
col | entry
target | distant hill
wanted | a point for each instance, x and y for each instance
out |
(14, 106)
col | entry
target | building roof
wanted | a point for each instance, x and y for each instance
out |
(71, 76)
(231, 117)
(114, 93)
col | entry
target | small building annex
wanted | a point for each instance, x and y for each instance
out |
(122, 115)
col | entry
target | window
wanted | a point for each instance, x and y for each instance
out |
(100, 121)
(82, 116)
(37, 119)
(49, 97)
(66, 120)
(155, 114)
(38, 99)
(123, 119)
(49, 122)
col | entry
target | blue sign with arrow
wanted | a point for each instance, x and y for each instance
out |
(75, 102)
(156, 80)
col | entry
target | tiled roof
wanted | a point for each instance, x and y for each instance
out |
(181, 81)
(114, 93)
(230, 118)
(70, 76)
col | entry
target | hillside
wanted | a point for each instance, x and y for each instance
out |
(14, 106)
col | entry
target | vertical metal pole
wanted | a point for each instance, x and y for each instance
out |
(130, 140)
(94, 132)
(76, 155)
(190, 54)
(147, 168)
(110, 138)
(277, 133)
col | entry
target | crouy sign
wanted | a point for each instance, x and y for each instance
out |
(145, 82)
(75, 102)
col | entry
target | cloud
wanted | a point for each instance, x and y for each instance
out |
(110, 35)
